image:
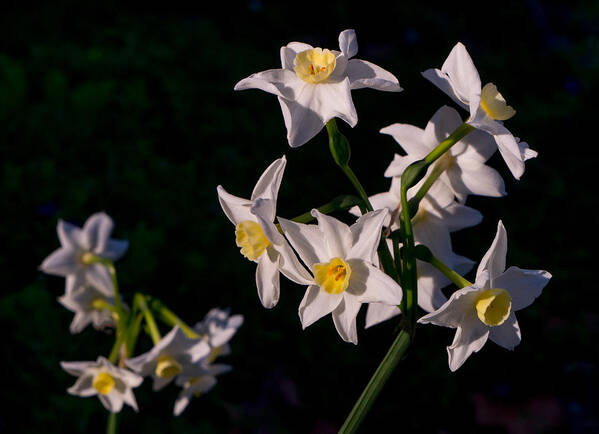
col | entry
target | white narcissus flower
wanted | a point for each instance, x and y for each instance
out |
(175, 354)
(314, 85)
(258, 237)
(89, 306)
(342, 260)
(464, 168)
(486, 309)
(197, 383)
(217, 328)
(112, 385)
(459, 79)
(74, 259)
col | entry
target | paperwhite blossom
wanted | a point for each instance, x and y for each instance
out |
(314, 85)
(342, 261)
(259, 238)
(175, 354)
(464, 168)
(88, 304)
(196, 383)
(217, 328)
(486, 309)
(112, 385)
(459, 79)
(78, 246)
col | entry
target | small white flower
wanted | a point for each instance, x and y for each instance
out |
(486, 309)
(465, 171)
(342, 260)
(218, 327)
(72, 259)
(258, 237)
(88, 304)
(175, 354)
(112, 385)
(459, 79)
(314, 85)
(196, 384)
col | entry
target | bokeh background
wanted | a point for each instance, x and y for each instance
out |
(132, 111)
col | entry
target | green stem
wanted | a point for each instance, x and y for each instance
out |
(111, 426)
(409, 276)
(413, 203)
(453, 138)
(374, 386)
(143, 306)
(424, 254)
(169, 317)
(356, 183)
(340, 203)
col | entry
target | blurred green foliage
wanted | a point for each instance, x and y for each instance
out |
(134, 114)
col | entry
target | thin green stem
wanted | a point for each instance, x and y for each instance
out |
(169, 317)
(454, 137)
(143, 306)
(438, 169)
(374, 386)
(111, 426)
(358, 186)
(424, 254)
(409, 276)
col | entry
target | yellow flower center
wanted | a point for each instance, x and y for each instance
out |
(493, 306)
(333, 276)
(167, 367)
(103, 383)
(494, 104)
(251, 239)
(314, 65)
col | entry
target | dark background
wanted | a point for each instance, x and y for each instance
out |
(132, 111)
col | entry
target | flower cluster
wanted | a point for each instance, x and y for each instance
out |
(398, 254)
(185, 355)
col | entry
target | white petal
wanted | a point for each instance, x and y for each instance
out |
(301, 122)
(348, 43)
(69, 234)
(456, 217)
(441, 125)
(129, 398)
(99, 277)
(333, 100)
(370, 285)
(337, 235)
(268, 185)
(462, 73)
(366, 234)
(469, 338)
(365, 74)
(507, 146)
(523, 285)
(181, 402)
(410, 138)
(76, 368)
(161, 383)
(344, 317)
(494, 259)
(474, 177)
(61, 262)
(506, 335)
(460, 306)
(281, 82)
(399, 165)
(307, 240)
(97, 230)
(430, 282)
(289, 52)
(80, 321)
(267, 280)
(442, 81)
(113, 402)
(115, 249)
(316, 304)
(83, 386)
(379, 312)
(236, 208)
